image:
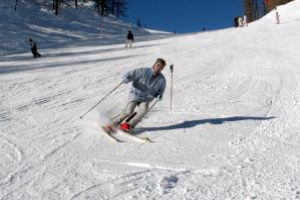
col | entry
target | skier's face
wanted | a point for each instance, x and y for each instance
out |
(158, 67)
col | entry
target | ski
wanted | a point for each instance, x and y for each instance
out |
(134, 137)
(110, 136)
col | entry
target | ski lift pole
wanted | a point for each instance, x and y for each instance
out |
(171, 95)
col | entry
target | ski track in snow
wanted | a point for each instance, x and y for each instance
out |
(233, 132)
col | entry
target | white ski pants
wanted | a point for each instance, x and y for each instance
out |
(128, 110)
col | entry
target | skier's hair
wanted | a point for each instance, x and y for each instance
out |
(161, 61)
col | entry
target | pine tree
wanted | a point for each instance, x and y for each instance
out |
(112, 6)
(102, 6)
(139, 23)
(248, 7)
(121, 7)
(56, 6)
(256, 10)
(253, 9)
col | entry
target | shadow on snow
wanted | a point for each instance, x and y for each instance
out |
(21, 68)
(193, 123)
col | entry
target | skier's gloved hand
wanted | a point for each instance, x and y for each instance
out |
(125, 80)
(159, 98)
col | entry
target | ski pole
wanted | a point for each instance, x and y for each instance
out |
(101, 100)
(151, 107)
(171, 96)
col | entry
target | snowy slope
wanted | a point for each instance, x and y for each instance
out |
(83, 27)
(233, 132)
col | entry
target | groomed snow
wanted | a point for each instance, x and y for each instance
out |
(233, 133)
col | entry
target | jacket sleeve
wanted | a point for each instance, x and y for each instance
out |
(132, 75)
(162, 88)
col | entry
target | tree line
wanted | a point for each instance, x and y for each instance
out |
(255, 9)
(104, 7)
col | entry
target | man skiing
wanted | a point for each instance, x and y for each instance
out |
(148, 83)
(130, 39)
(34, 49)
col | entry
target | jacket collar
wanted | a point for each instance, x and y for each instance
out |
(154, 74)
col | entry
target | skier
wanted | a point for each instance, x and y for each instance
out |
(245, 23)
(130, 39)
(34, 49)
(236, 24)
(240, 20)
(148, 83)
(277, 16)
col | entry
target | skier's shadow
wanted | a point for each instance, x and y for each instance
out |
(193, 123)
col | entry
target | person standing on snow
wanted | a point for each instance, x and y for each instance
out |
(130, 39)
(236, 23)
(277, 16)
(245, 23)
(34, 49)
(148, 83)
(240, 21)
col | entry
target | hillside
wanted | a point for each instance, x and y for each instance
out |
(71, 27)
(233, 132)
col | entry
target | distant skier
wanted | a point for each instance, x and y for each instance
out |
(240, 21)
(236, 22)
(34, 49)
(245, 22)
(277, 16)
(130, 39)
(148, 83)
